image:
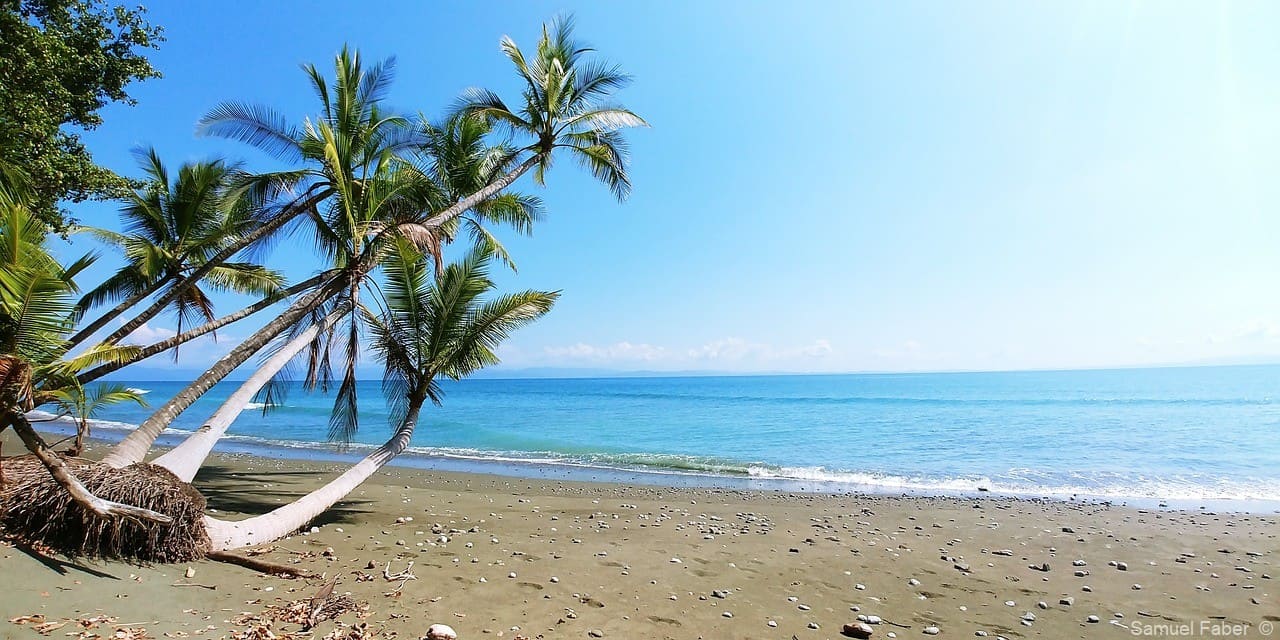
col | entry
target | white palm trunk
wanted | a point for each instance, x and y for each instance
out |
(186, 459)
(285, 520)
(133, 449)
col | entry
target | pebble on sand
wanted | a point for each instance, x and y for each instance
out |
(857, 630)
(441, 632)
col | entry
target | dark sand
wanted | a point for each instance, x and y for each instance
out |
(499, 557)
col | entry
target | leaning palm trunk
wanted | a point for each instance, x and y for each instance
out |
(285, 520)
(186, 459)
(206, 328)
(217, 260)
(460, 207)
(114, 313)
(135, 446)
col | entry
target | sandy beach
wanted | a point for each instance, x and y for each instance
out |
(510, 558)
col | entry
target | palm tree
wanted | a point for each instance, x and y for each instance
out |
(457, 156)
(427, 328)
(566, 105)
(348, 155)
(36, 311)
(84, 403)
(345, 149)
(172, 228)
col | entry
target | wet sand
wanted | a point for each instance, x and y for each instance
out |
(498, 557)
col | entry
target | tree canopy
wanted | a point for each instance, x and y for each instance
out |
(61, 62)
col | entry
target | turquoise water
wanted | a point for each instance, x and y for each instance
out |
(1177, 434)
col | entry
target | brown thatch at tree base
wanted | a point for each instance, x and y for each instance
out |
(33, 508)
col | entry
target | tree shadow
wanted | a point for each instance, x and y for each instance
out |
(238, 491)
(60, 566)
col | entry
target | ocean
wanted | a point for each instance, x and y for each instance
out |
(1183, 437)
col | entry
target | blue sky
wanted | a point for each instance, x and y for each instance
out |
(834, 186)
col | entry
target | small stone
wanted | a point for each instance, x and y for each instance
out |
(1078, 563)
(962, 567)
(511, 575)
(554, 579)
(1068, 530)
(1042, 604)
(857, 630)
(813, 625)
(1067, 601)
(1029, 617)
(1039, 567)
(1122, 566)
(441, 632)
(1136, 587)
(1092, 619)
(727, 614)
(913, 582)
(1002, 552)
(1080, 573)
(931, 631)
(596, 633)
(772, 623)
(720, 593)
(860, 587)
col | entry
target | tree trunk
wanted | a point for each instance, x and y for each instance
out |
(217, 260)
(82, 432)
(285, 520)
(114, 313)
(209, 327)
(461, 206)
(186, 459)
(135, 446)
(63, 475)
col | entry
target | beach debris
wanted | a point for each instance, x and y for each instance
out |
(269, 568)
(440, 632)
(406, 574)
(191, 572)
(857, 630)
(318, 601)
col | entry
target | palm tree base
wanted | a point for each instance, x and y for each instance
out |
(37, 510)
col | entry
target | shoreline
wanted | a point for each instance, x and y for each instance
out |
(574, 471)
(505, 557)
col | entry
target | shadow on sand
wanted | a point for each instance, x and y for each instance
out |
(245, 492)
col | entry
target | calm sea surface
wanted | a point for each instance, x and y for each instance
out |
(1188, 435)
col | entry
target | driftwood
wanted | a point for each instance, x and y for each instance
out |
(262, 566)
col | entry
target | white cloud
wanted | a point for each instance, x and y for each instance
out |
(147, 334)
(727, 353)
(617, 352)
